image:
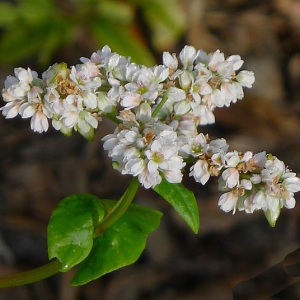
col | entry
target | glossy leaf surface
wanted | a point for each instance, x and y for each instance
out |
(120, 245)
(183, 201)
(71, 229)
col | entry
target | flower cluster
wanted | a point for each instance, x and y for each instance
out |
(249, 182)
(158, 111)
(75, 98)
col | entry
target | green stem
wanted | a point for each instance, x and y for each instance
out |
(119, 209)
(112, 118)
(160, 105)
(55, 266)
(31, 276)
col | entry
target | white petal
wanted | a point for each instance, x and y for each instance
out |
(228, 201)
(188, 55)
(131, 100)
(39, 122)
(200, 171)
(176, 94)
(26, 110)
(231, 176)
(11, 109)
(218, 98)
(292, 184)
(90, 100)
(246, 78)
(170, 60)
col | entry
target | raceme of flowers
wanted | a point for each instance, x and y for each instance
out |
(158, 111)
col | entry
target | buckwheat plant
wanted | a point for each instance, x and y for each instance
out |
(158, 112)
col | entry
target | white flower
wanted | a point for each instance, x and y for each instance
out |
(101, 56)
(110, 141)
(17, 88)
(148, 179)
(248, 204)
(131, 100)
(11, 109)
(215, 60)
(187, 56)
(55, 73)
(144, 112)
(175, 94)
(170, 61)
(163, 156)
(187, 126)
(203, 114)
(39, 114)
(236, 62)
(25, 75)
(185, 79)
(145, 86)
(218, 161)
(53, 101)
(245, 78)
(195, 146)
(218, 146)
(255, 178)
(231, 177)
(259, 159)
(232, 92)
(291, 183)
(27, 110)
(274, 169)
(232, 158)
(39, 122)
(85, 76)
(228, 202)
(200, 88)
(78, 119)
(200, 171)
(87, 70)
(134, 164)
(246, 184)
(288, 200)
(182, 108)
(106, 104)
(160, 74)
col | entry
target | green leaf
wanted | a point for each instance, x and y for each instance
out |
(71, 229)
(120, 245)
(183, 200)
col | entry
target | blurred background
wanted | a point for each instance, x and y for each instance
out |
(38, 170)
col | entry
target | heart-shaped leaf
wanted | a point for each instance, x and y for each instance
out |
(120, 245)
(71, 229)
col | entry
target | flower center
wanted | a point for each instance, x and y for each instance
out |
(214, 82)
(67, 87)
(157, 157)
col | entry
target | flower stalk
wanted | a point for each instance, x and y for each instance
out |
(119, 209)
(31, 276)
